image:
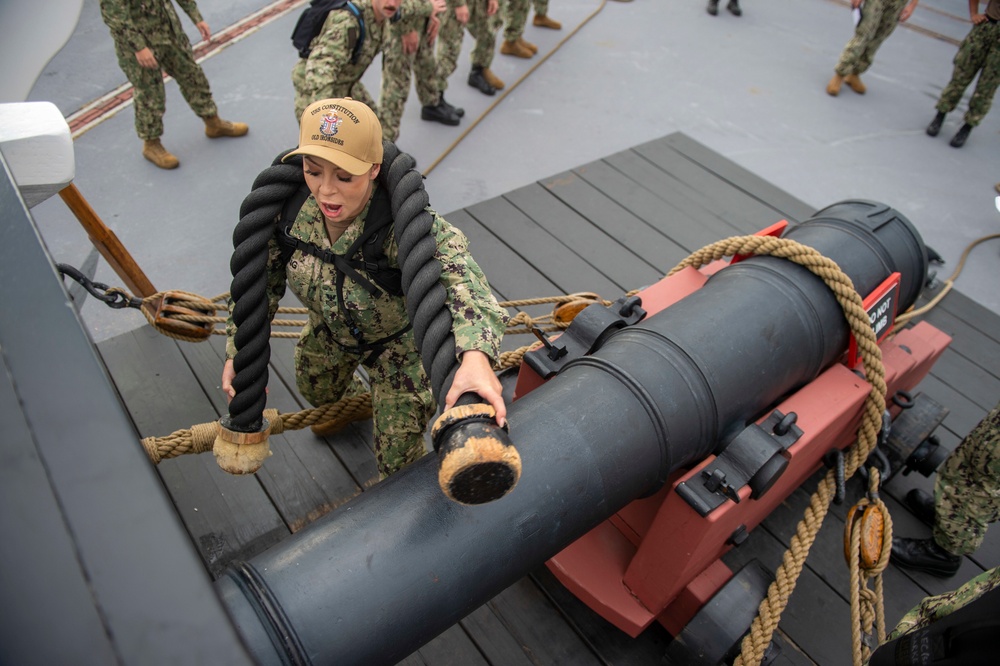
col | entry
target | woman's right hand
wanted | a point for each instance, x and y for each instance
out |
(228, 373)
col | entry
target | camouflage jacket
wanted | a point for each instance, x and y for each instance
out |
(478, 322)
(328, 67)
(136, 24)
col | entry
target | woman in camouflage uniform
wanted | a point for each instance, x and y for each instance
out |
(341, 144)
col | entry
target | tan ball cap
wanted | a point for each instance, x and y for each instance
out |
(344, 131)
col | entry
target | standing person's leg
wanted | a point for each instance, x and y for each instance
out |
(966, 500)
(395, 87)
(432, 104)
(149, 102)
(178, 61)
(483, 29)
(984, 57)
(542, 19)
(853, 53)
(967, 489)
(888, 21)
(515, 16)
(447, 48)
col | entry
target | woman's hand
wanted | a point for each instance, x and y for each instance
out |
(475, 374)
(228, 373)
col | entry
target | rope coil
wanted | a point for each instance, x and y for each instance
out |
(780, 591)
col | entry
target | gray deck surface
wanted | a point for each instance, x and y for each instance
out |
(544, 236)
(751, 88)
(653, 131)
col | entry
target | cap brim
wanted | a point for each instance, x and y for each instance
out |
(351, 165)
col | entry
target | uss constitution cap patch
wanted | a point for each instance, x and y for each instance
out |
(343, 131)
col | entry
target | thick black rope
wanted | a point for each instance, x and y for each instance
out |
(426, 298)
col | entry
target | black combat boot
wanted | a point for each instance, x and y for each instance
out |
(935, 126)
(713, 7)
(925, 555)
(921, 503)
(734, 8)
(439, 113)
(478, 81)
(958, 140)
(457, 110)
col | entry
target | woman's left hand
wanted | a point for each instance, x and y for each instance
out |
(475, 374)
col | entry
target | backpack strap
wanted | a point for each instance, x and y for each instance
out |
(374, 263)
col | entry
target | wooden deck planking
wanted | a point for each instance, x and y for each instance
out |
(608, 227)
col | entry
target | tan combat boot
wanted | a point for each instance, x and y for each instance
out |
(543, 21)
(515, 49)
(216, 127)
(154, 151)
(493, 79)
(833, 87)
(853, 82)
(528, 45)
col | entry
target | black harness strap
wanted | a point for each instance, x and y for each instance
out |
(373, 262)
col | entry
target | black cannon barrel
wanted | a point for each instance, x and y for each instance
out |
(399, 564)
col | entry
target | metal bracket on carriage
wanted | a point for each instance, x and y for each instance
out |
(588, 331)
(756, 457)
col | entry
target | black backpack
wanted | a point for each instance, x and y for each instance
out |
(310, 24)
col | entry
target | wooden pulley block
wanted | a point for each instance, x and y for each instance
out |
(871, 522)
(563, 313)
(168, 309)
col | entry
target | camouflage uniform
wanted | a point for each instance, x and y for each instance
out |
(483, 29)
(401, 394)
(396, 67)
(137, 24)
(516, 16)
(978, 53)
(328, 71)
(967, 489)
(935, 608)
(878, 19)
(449, 43)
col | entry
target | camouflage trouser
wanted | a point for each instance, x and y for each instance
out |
(978, 53)
(449, 45)
(942, 605)
(967, 489)
(149, 96)
(402, 402)
(484, 29)
(304, 96)
(878, 19)
(515, 16)
(396, 68)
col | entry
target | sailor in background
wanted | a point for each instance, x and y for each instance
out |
(515, 16)
(878, 19)
(966, 500)
(331, 68)
(410, 54)
(979, 53)
(149, 40)
(483, 20)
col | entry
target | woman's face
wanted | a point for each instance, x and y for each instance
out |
(341, 196)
